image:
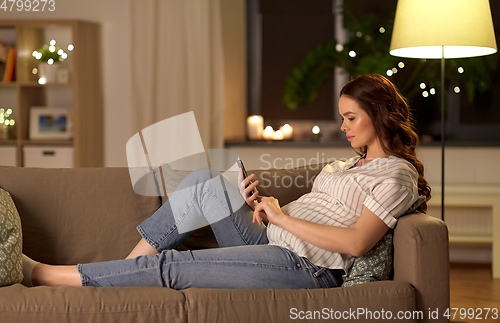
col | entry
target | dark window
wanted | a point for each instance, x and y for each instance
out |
(280, 33)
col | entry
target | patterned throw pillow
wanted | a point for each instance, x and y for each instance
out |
(11, 242)
(374, 265)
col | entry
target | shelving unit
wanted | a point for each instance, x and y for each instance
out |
(475, 196)
(82, 94)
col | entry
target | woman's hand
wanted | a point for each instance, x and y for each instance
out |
(248, 189)
(269, 210)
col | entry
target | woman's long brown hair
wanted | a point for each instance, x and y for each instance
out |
(393, 122)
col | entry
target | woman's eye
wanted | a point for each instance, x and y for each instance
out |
(350, 119)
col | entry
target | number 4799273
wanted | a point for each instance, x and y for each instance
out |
(28, 5)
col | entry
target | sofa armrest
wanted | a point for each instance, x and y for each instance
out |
(421, 258)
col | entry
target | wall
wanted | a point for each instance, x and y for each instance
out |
(464, 165)
(113, 16)
(234, 42)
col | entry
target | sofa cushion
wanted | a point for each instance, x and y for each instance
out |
(77, 215)
(11, 241)
(375, 265)
(91, 304)
(415, 205)
(266, 305)
(287, 185)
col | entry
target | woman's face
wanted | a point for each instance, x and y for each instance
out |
(356, 124)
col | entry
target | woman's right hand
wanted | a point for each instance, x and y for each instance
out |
(248, 189)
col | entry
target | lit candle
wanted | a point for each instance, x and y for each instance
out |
(316, 134)
(287, 131)
(268, 133)
(278, 135)
(255, 126)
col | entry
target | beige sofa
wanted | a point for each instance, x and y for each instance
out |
(71, 216)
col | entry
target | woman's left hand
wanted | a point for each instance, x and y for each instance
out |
(271, 207)
(248, 189)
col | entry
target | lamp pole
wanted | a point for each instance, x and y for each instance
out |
(465, 27)
(442, 132)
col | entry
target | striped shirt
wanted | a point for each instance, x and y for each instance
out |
(386, 185)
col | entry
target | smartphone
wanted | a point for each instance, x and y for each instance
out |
(240, 165)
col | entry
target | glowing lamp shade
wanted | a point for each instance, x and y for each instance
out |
(423, 27)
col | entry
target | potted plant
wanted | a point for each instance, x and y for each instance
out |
(48, 56)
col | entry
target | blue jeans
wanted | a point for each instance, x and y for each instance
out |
(243, 261)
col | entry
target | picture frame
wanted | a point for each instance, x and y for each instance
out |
(50, 123)
(63, 75)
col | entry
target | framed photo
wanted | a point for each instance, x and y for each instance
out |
(62, 75)
(50, 123)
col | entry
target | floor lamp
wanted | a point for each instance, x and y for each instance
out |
(443, 29)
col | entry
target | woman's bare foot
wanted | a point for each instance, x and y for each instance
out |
(28, 265)
(47, 275)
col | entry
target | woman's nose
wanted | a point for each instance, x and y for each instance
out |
(343, 127)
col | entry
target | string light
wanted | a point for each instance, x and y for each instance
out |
(37, 55)
(61, 55)
(3, 117)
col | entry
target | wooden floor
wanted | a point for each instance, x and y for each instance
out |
(472, 287)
